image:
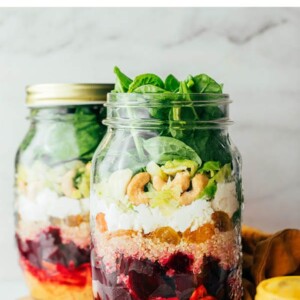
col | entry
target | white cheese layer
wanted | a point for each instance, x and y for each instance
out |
(145, 218)
(119, 215)
(48, 204)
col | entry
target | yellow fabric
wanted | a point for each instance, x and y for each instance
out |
(266, 256)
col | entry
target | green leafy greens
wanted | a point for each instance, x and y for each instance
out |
(172, 83)
(162, 149)
(150, 80)
(209, 144)
(201, 83)
(67, 134)
(122, 81)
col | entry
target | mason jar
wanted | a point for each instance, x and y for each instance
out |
(166, 200)
(52, 185)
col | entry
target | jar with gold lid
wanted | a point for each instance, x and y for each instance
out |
(52, 188)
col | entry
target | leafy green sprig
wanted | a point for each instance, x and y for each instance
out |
(65, 134)
(207, 142)
(151, 83)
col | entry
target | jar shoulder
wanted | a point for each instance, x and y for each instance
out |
(121, 149)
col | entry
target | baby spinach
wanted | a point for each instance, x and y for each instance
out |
(60, 142)
(205, 84)
(65, 134)
(190, 81)
(201, 83)
(162, 149)
(172, 83)
(210, 144)
(184, 89)
(122, 81)
(149, 88)
(145, 79)
(88, 132)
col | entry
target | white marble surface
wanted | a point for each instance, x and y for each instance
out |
(255, 52)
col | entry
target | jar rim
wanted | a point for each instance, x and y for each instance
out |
(65, 94)
(169, 99)
(183, 111)
(169, 94)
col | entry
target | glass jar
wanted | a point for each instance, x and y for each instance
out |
(52, 188)
(166, 200)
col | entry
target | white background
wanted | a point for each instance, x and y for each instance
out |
(254, 52)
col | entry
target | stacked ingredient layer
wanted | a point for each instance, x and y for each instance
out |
(53, 233)
(169, 231)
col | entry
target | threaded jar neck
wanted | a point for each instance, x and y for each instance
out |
(80, 113)
(184, 111)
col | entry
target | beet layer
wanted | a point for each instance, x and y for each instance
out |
(49, 259)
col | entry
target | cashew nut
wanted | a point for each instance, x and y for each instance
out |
(135, 188)
(158, 183)
(181, 180)
(198, 184)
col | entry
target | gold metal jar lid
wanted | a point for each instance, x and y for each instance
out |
(61, 94)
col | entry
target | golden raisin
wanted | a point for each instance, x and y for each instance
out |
(122, 232)
(165, 235)
(222, 221)
(100, 222)
(74, 221)
(200, 235)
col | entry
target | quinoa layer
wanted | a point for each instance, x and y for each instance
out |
(79, 234)
(222, 245)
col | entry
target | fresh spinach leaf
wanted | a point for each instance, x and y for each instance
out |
(190, 81)
(184, 89)
(122, 81)
(211, 113)
(88, 131)
(162, 149)
(60, 143)
(211, 144)
(172, 83)
(75, 134)
(205, 84)
(149, 88)
(145, 79)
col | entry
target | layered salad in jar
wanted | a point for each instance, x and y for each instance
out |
(167, 225)
(52, 202)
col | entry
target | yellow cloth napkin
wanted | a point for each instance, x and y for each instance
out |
(268, 255)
